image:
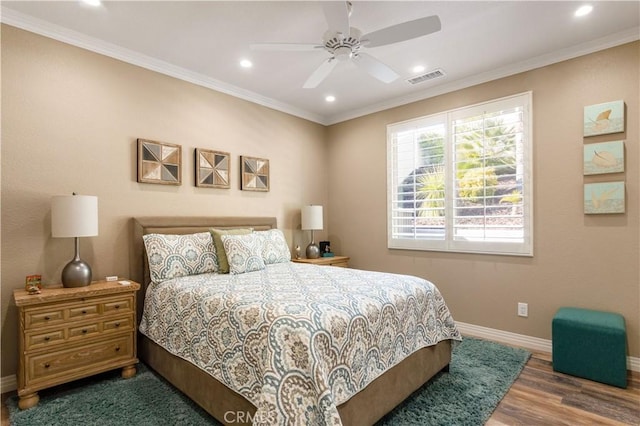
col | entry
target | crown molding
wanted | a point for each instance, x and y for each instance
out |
(56, 32)
(20, 20)
(623, 37)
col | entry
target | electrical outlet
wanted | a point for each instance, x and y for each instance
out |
(523, 309)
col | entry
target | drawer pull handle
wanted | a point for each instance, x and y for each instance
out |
(84, 312)
(47, 365)
(84, 331)
(117, 306)
(47, 318)
(47, 338)
(117, 324)
(117, 348)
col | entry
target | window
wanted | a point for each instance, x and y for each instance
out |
(461, 180)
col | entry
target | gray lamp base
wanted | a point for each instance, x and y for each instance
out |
(76, 273)
(313, 251)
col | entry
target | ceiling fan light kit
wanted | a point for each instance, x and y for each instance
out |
(344, 43)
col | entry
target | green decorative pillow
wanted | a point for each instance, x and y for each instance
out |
(223, 263)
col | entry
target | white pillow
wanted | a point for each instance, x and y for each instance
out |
(244, 252)
(172, 256)
(274, 248)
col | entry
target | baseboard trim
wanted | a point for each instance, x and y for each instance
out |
(528, 342)
(10, 383)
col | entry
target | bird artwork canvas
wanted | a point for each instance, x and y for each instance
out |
(604, 157)
(605, 118)
(604, 197)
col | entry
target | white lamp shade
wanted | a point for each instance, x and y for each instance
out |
(311, 218)
(74, 216)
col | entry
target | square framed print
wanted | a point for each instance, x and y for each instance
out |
(254, 174)
(604, 157)
(604, 197)
(212, 168)
(159, 162)
(602, 119)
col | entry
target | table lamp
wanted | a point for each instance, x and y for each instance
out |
(312, 221)
(75, 216)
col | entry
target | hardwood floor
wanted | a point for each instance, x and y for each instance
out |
(541, 396)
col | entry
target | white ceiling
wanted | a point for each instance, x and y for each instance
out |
(203, 42)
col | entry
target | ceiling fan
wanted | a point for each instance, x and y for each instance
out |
(344, 42)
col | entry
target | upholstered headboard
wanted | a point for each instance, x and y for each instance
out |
(138, 264)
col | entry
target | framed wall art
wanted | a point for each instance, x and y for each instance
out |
(604, 197)
(159, 162)
(604, 157)
(212, 168)
(254, 174)
(602, 119)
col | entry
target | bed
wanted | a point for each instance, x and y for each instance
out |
(360, 396)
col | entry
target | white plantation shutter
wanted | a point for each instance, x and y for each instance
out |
(461, 180)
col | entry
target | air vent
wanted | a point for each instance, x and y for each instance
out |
(437, 73)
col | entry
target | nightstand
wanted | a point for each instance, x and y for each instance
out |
(342, 261)
(71, 333)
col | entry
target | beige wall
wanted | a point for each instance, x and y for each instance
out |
(580, 260)
(70, 119)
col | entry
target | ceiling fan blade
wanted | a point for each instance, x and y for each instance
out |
(320, 73)
(286, 47)
(401, 32)
(375, 68)
(337, 16)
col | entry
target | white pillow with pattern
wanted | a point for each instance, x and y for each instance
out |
(172, 256)
(244, 252)
(274, 248)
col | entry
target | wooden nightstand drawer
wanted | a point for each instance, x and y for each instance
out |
(85, 330)
(46, 365)
(118, 324)
(120, 305)
(42, 339)
(43, 317)
(84, 311)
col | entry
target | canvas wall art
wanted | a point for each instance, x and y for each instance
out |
(212, 168)
(602, 119)
(254, 174)
(159, 162)
(604, 197)
(604, 157)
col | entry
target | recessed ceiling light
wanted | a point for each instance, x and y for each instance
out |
(584, 10)
(330, 98)
(92, 2)
(418, 68)
(245, 63)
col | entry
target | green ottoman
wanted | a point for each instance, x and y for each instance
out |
(590, 344)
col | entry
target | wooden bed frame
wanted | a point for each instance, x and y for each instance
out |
(227, 406)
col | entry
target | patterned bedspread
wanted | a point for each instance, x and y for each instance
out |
(296, 340)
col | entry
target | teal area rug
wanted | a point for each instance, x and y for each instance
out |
(480, 374)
